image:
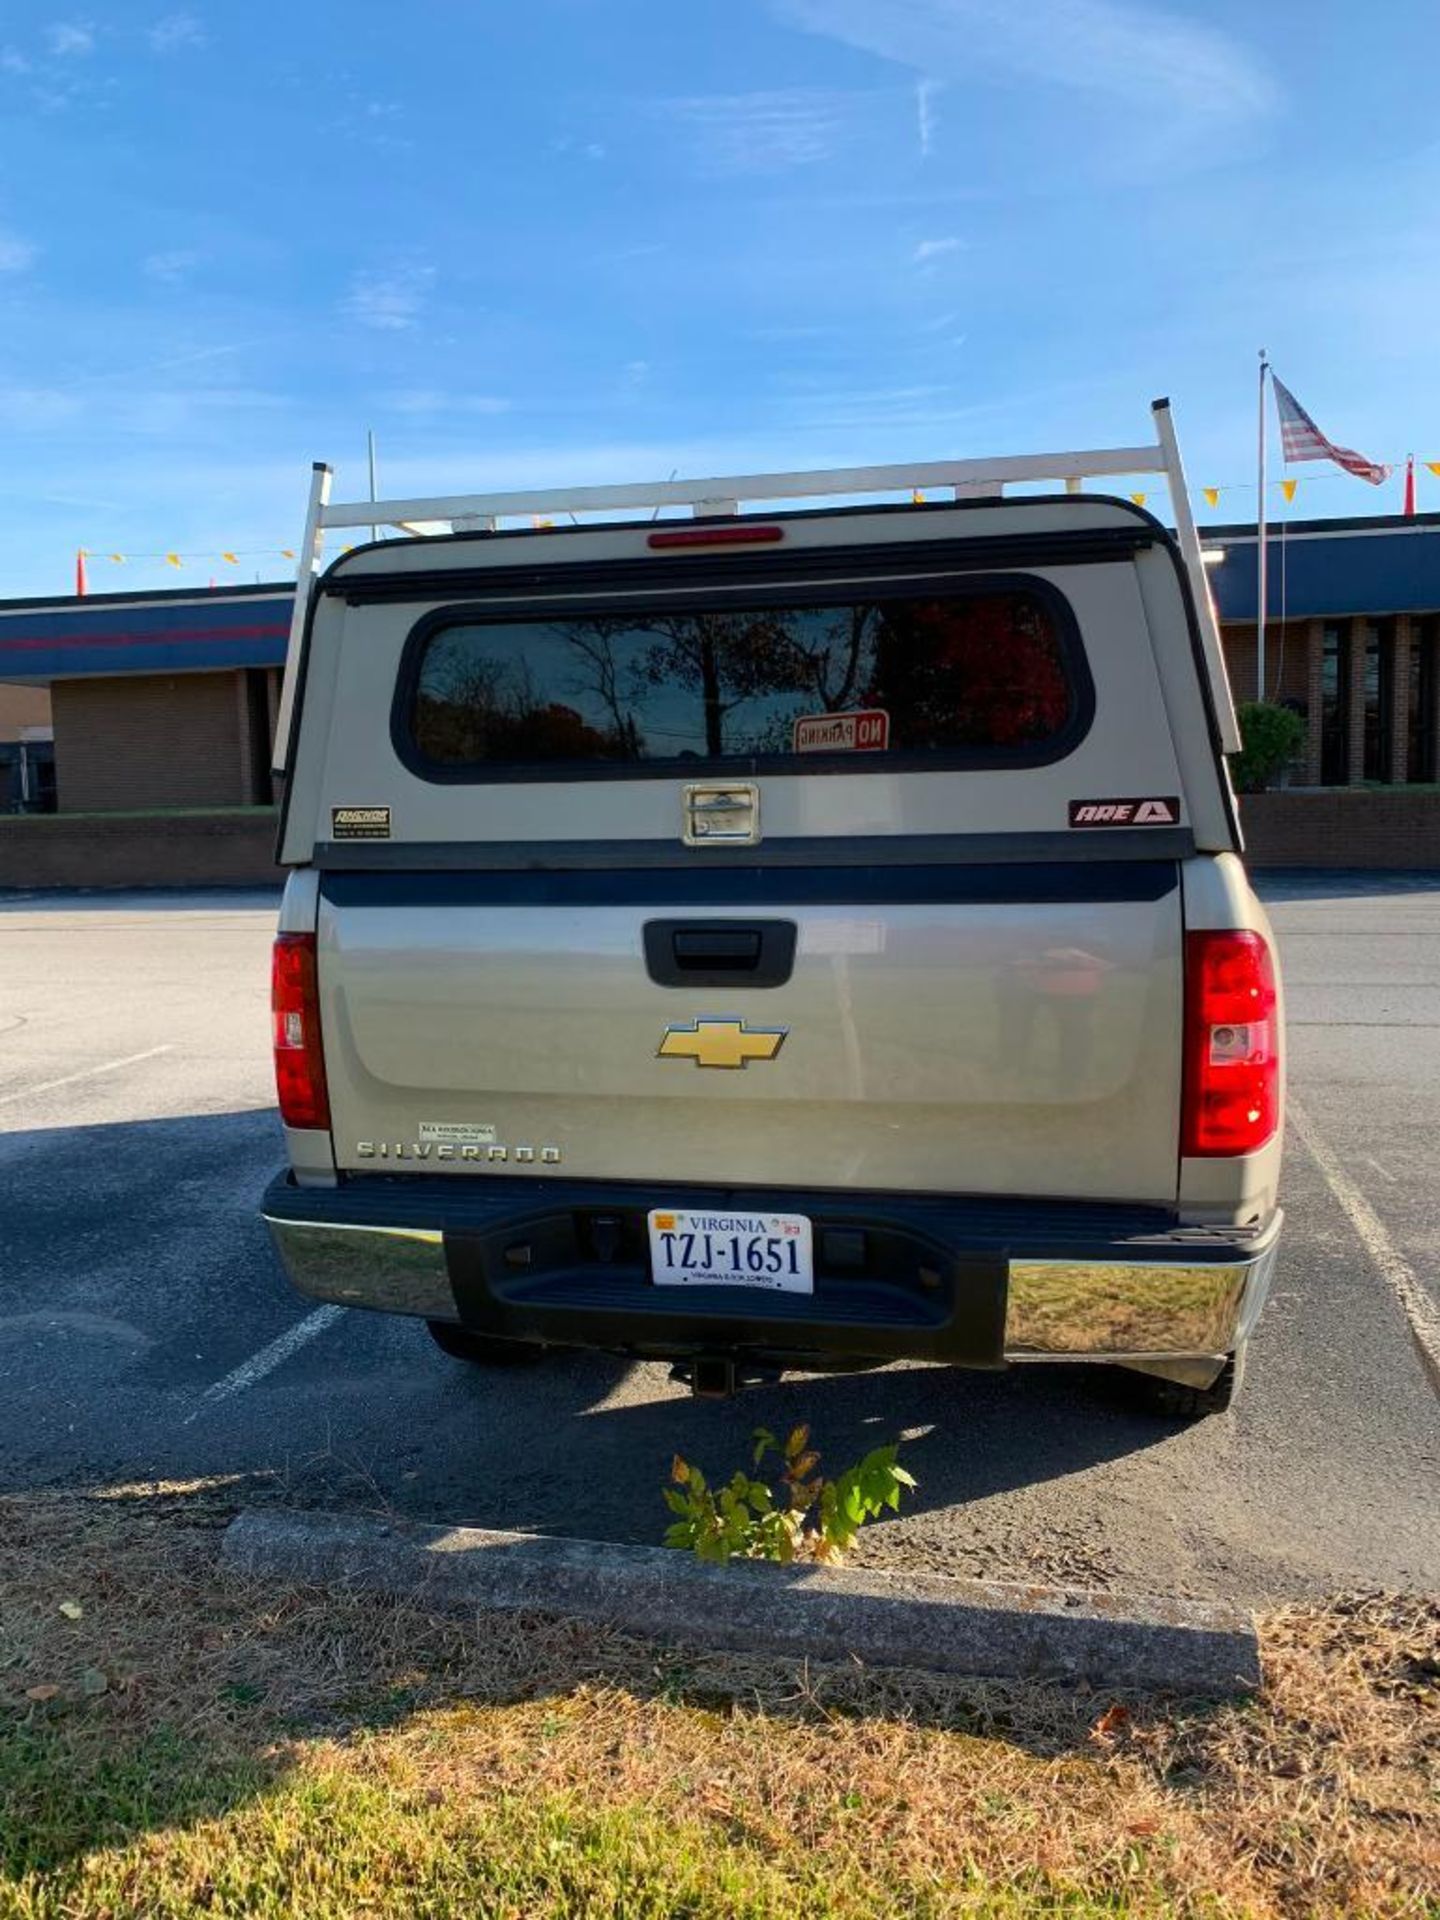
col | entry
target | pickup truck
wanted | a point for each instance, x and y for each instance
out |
(761, 933)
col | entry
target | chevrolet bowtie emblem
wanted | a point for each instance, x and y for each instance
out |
(721, 1043)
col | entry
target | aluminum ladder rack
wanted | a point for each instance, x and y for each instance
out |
(974, 479)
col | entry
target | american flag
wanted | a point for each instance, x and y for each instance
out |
(1303, 440)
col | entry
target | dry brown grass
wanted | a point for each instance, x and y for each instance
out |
(347, 1734)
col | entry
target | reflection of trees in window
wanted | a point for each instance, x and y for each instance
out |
(981, 671)
(727, 660)
(473, 708)
(606, 679)
(840, 657)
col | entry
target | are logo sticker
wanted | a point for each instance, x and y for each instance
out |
(1161, 811)
(360, 823)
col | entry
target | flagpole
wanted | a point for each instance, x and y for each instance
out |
(1262, 552)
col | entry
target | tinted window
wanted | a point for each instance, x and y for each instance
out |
(974, 672)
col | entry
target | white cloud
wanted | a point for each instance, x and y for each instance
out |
(13, 61)
(175, 32)
(1143, 55)
(68, 37)
(15, 254)
(390, 301)
(171, 267)
(929, 250)
(27, 408)
(761, 132)
(584, 149)
(925, 92)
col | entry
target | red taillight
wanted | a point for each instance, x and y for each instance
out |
(738, 533)
(1232, 1045)
(295, 1009)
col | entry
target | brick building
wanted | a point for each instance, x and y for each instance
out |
(1352, 640)
(156, 700)
(167, 700)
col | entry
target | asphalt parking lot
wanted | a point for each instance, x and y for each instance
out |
(147, 1335)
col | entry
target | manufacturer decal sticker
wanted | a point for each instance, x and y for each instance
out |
(864, 731)
(360, 823)
(1163, 811)
(456, 1133)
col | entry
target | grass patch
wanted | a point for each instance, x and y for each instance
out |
(192, 1745)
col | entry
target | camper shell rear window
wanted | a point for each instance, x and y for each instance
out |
(916, 675)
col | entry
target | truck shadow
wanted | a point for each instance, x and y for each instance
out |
(141, 1285)
(613, 1431)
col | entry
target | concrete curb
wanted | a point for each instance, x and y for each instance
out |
(925, 1621)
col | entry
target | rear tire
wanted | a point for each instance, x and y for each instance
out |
(483, 1349)
(1172, 1401)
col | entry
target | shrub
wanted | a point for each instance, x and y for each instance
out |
(809, 1518)
(1272, 735)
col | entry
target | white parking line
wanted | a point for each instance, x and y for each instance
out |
(85, 1073)
(267, 1359)
(1420, 1311)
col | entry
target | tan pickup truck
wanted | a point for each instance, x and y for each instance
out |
(769, 935)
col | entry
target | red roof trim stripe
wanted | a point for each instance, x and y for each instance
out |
(180, 636)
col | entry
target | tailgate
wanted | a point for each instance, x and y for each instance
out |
(973, 1030)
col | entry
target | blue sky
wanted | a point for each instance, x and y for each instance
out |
(607, 239)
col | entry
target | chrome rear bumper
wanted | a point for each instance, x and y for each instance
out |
(1138, 1314)
(1012, 1283)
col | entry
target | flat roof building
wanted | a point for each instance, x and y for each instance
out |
(156, 699)
(1352, 629)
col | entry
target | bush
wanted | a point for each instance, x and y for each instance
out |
(806, 1518)
(1272, 737)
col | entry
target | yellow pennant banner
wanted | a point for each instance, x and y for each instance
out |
(1287, 487)
(1139, 498)
(231, 558)
(1212, 496)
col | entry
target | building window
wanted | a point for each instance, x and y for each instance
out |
(1420, 700)
(1379, 692)
(1335, 706)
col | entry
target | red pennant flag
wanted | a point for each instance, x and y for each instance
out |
(1410, 486)
(80, 572)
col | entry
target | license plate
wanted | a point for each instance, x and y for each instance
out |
(769, 1250)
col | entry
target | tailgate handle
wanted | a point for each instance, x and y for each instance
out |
(699, 950)
(720, 953)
